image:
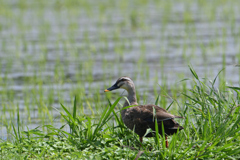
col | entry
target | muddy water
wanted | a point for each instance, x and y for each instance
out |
(49, 51)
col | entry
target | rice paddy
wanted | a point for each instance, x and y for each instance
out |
(57, 57)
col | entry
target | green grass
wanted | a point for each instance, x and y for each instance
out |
(211, 131)
(53, 51)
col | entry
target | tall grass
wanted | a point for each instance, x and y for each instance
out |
(212, 120)
(211, 131)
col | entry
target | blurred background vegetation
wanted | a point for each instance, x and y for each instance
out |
(51, 51)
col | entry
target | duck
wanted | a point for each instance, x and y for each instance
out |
(140, 118)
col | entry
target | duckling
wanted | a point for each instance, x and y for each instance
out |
(142, 117)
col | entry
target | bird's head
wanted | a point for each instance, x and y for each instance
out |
(123, 82)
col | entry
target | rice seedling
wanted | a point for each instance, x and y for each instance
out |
(52, 51)
(211, 131)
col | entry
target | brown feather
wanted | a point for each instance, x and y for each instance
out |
(140, 118)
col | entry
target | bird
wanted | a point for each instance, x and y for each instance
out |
(140, 118)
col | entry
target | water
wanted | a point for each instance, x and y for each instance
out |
(51, 51)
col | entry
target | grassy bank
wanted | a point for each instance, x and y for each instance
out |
(211, 131)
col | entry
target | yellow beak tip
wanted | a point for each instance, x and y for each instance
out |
(106, 90)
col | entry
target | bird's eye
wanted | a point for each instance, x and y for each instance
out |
(120, 84)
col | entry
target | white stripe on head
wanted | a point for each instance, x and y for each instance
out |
(125, 78)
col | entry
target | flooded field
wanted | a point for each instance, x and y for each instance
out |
(51, 51)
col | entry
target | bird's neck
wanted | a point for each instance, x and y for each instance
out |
(132, 100)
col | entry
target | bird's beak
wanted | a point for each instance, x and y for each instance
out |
(111, 88)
